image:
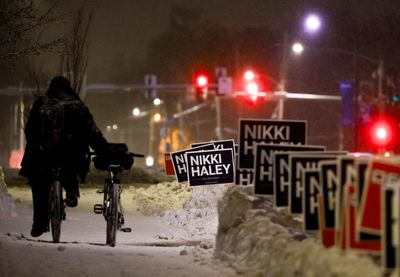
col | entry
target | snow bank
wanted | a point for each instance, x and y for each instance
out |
(154, 199)
(6, 202)
(198, 217)
(269, 242)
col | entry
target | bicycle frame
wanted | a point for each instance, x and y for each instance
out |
(111, 208)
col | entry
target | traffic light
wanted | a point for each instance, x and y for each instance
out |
(251, 86)
(249, 75)
(201, 87)
(382, 134)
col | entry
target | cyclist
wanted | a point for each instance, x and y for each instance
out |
(71, 157)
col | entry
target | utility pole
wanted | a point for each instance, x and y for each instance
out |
(381, 73)
(284, 64)
(283, 75)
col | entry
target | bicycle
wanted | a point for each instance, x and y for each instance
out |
(112, 208)
(56, 207)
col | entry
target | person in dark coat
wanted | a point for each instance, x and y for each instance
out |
(72, 158)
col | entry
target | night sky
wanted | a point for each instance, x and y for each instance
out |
(122, 29)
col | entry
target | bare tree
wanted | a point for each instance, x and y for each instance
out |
(75, 56)
(21, 30)
(36, 78)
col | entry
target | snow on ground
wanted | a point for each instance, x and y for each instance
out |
(263, 241)
(155, 247)
(177, 231)
(6, 202)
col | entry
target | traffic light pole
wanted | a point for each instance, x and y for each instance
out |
(218, 129)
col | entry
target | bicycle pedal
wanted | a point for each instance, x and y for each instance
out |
(126, 230)
(98, 209)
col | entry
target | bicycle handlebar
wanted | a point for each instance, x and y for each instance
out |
(137, 155)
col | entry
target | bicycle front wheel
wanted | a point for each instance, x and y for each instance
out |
(112, 218)
(55, 210)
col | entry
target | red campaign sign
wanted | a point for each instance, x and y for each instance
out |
(381, 173)
(327, 234)
(350, 213)
(169, 167)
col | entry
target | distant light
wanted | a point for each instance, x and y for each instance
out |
(108, 128)
(136, 112)
(297, 48)
(201, 81)
(249, 75)
(115, 127)
(312, 23)
(381, 133)
(252, 88)
(157, 117)
(149, 161)
(157, 101)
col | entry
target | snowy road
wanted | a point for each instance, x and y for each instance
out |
(152, 249)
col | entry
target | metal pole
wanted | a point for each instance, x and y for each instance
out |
(284, 64)
(218, 129)
(151, 134)
(380, 86)
(179, 109)
(281, 106)
(284, 68)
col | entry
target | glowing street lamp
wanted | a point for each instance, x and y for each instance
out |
(157, 102)
(297, 48)
(157, 117)
(136, 112)
(312, 23)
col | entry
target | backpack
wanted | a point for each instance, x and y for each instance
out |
(52, 129)
(52, 124)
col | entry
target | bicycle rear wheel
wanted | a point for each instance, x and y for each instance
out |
(112, 217)
(55, 210)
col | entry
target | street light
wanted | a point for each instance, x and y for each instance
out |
(297, 48)
(157, 117)
(312, 23)
(136, 112)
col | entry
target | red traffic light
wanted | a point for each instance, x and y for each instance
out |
(252, 90)
(201, 87)
(381, 133)
(201, 81)
(249, 75)
(251, 85)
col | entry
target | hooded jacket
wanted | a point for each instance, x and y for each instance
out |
(79, 128)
